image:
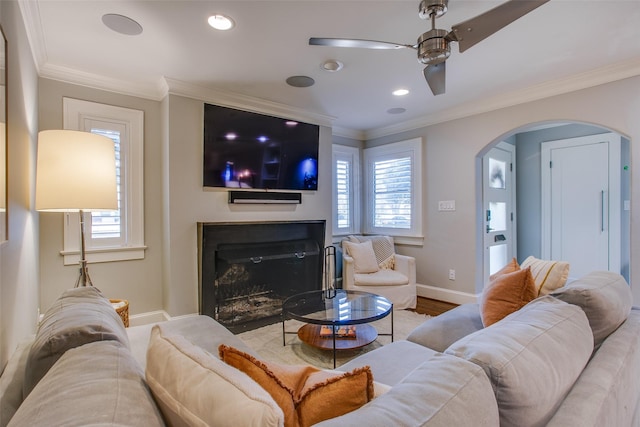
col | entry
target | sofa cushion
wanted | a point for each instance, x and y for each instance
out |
(532, 358)
(384, 364)
(79, 316)
(99, 383)
(439, 332)
(505, 294)
(442, 391)
(604, 296)
(381, 278)
(305, 394)
(194, 387)
(548, 275)
(364, 259)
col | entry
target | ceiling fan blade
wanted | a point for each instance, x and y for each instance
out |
(435, 75)
(366, 44)
(474, 30)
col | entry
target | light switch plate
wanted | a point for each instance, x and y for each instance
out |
(446, 205)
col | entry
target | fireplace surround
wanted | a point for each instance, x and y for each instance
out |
(247, 269)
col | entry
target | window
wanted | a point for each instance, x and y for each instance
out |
(394, 189)
(346, 171)
(110, 235)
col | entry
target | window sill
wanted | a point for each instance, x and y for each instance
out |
(105, 255)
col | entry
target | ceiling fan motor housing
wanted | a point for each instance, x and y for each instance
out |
(435, 8)
(433, 47)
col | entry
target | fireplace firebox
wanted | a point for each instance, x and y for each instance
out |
(248, 269)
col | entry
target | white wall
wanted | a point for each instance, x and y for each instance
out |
(449, 174)
(19, 255)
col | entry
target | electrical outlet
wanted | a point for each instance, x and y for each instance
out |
(452, 274)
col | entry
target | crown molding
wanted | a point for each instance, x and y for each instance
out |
(592, 78)
(244, 102)
(349, 133)
(31, 17)
(155, 92)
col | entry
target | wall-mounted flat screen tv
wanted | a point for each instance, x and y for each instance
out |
(251, 150)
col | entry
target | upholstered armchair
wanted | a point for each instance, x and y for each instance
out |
(370, 264)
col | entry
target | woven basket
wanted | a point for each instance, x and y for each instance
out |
(122, 308)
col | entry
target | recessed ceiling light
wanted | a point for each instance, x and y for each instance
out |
(121, 24)
(400, 92)
(397, 110)
(332, 65)
(300, 81)
(221, 22)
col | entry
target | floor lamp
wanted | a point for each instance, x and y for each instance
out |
(76, 172)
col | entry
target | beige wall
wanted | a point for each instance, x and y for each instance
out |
(19, 255)
(31, 271)
(138, 281)
(188, 203)
(450, 167)
(167, 279)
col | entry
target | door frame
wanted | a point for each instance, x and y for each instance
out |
(511, 148)
(614, 199)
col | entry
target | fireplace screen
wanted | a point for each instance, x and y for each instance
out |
(254, 279)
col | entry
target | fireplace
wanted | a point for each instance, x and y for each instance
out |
(248, 269)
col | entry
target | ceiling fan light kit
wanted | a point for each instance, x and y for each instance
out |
(433, 46)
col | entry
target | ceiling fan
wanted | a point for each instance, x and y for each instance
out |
(434, 46)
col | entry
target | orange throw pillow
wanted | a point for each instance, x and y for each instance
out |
(506, 294)
(509, 268)
(305, 394)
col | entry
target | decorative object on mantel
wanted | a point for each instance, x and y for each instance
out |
(264, 197)
(76, 172)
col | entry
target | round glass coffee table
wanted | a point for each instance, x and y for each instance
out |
(331, 315)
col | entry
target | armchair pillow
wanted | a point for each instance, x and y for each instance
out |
(364, 259)
(383, 248)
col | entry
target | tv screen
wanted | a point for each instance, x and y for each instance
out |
(251, 150)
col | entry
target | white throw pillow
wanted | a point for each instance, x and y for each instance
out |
(548, 275)
(364, 259)
(193, 387)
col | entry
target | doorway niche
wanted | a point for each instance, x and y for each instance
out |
(528, 206)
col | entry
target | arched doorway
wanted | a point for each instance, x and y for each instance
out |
(528, 211)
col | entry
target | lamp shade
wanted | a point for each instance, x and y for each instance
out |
(75, 171)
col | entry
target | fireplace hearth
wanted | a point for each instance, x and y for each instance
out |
(248, 269)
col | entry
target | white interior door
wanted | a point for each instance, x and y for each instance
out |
(498, 196)
(581, 203)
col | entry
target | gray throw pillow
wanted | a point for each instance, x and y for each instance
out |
(79, 316)
(532, 358)
(98, 384)
(605, 298)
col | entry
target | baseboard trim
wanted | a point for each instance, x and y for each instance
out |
(446, 295)
(148, 318)
(154, 317)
